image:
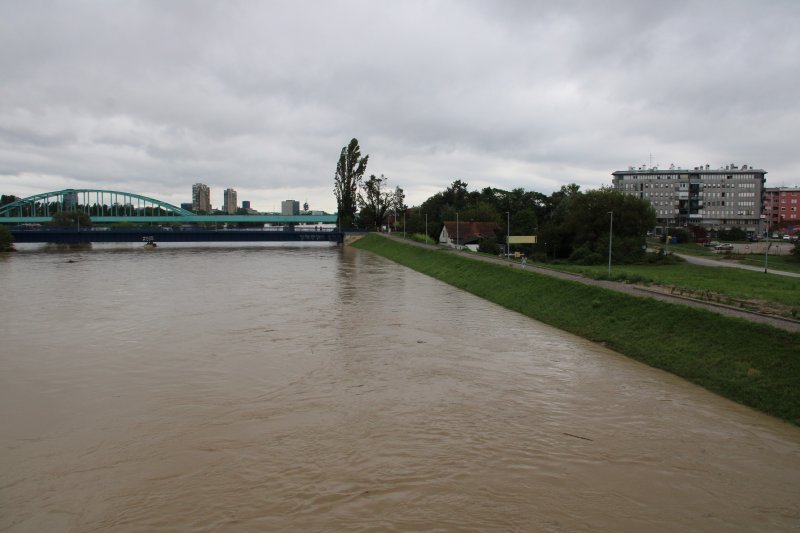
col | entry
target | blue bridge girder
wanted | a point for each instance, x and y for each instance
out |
(189, 219)
(74, 235)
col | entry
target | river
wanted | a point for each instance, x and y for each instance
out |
(315, 388)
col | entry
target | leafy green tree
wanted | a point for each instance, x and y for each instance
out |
(589, 222)
(733, 234)
(349, 172)
(398, 204)
(7, 199)
(489, 246)
(68, 219)
(375, 202)
(6, 239)
(555, 234)
(480, 212)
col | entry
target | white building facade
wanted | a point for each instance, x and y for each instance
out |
(725, 198)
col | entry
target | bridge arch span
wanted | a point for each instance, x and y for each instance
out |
(97, 202)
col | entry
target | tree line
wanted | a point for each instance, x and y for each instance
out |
(569, 223)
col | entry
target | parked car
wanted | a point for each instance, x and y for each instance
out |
(724, 246)
(713, 244)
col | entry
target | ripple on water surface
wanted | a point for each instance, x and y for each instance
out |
(319, 388)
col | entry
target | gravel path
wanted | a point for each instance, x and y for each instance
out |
(634, 290)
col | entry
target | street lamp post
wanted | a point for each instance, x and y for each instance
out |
(508, 233)
(610, 236)
(766, 249)
(457, 230)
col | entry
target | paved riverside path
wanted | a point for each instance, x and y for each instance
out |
(701, 261)
(634, 290)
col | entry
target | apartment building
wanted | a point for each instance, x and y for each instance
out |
(781, 206)
(724, 198)
(201, 197)
(290, 207)
(229, 203)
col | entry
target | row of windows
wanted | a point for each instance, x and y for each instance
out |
(699, 177)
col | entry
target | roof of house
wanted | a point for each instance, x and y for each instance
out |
(470, 231)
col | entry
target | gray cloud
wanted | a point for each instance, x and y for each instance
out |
(153, 96)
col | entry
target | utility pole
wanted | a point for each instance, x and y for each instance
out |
(508, 233)
(610, 236)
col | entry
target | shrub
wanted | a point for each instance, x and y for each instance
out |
(584, 255)
(6, 239)
(489, 246)
(733, 234)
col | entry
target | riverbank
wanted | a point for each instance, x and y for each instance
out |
(753, 364)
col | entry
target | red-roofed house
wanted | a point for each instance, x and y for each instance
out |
(466, 234)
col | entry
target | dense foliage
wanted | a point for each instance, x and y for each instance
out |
(519, 208)
(68, 219)
(6, 239)
(732, 234)
(375, 202)
(569, 224)
(349, 172)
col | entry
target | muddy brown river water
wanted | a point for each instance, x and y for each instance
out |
(319, 388)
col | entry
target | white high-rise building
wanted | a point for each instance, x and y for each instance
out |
(724, 198)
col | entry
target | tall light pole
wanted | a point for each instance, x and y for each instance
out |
(456, 230)
(610, 236)
(766, 249)
(508, 232)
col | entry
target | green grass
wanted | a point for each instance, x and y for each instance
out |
(733, 282)
(421, 237)
(775, 262)
(754, 364)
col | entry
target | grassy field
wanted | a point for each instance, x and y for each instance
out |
(733, 282)
(775, 262)
(753, 364)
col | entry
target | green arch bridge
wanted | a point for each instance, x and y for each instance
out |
(106, 207)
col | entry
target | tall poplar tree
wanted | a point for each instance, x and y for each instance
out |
(349, 171)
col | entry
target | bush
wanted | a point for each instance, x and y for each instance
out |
(489, 246)
(733, 234)
(681, 235)
(584, 255)
(6, 239)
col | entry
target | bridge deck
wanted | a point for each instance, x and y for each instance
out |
(190, 219)
(87, 235)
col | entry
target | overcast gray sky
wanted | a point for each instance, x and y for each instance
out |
(153, 96)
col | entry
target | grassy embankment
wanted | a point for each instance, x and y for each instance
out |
(753, 364)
